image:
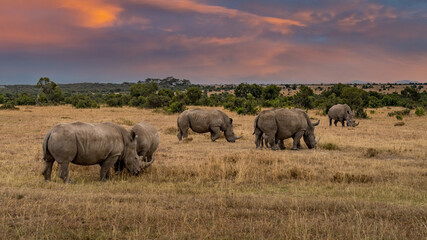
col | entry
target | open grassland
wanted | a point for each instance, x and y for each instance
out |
(368, 182)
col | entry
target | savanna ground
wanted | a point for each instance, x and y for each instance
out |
(368, 182)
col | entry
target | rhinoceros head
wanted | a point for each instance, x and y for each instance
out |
(309, 137)
(229, 132)
(131, 158)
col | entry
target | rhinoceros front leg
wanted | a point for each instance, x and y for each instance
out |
(298, 143)
(105, 167)
(281, 144)
(119, 166)
(297, 139)
(335, 122)
(330, 122)
(215, 133)
(342, 122)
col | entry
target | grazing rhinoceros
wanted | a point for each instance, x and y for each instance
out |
(341, 113)
(279, 124)
(205, 120)
(89, 144)
(147, 143)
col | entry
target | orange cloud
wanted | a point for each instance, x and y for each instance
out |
(93, 13)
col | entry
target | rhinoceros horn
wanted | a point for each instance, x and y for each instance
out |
(238, 137)
(356, 124)
(146, 164)
(315, 124)
(318, 140)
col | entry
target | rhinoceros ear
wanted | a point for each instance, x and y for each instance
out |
(133, 135)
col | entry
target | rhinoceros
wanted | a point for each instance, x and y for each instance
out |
(89, 144)
(279, 124)
(205, 120)
(341, 113)
(147, 143)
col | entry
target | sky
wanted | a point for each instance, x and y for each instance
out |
(213, 41)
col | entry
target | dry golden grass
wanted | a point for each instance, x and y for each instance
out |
(368, 182)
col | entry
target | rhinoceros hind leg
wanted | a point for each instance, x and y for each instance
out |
(215, 133)
(47, 170)
(63, 172)
(259, 141)
(330, 121)
(179, 135)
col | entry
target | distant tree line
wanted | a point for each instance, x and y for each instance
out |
(173, 95)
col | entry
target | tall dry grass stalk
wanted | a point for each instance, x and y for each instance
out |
(366, 182)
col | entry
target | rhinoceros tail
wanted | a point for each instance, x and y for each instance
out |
(46, 154)
(256, 125)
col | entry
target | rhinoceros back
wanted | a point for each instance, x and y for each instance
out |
(86, 144)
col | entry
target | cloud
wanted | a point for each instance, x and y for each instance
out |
(94, 13)
(213, 40)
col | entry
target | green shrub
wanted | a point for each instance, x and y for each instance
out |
(399, 117)
(82, 101)
(372, 111)
(329, 146)
(9, 106)
(176, 107)
(402, 113)
(156, 101)
(420, 112)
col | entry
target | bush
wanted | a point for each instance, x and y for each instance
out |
(420, 112)
(405, 112)
(82, 101)
(399, 117)
(156, 101)
(25, 99)
(116, 100)
(137, 101)
(249, 106)
(9, 106)
(399, 124)
(270, 92)
(176, 107)
(193, 95)
(143, 89)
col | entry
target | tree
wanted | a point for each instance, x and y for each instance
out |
(193, 94)
(357, 99)
(242, 90)
(49, 92)
(304, 97)
(271, 92)
(143, 89)
(411, 93)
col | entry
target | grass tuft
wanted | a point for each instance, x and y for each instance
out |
(351, 178)
(371, 152)
(329, 146)
(122, 121)
(399, 124)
